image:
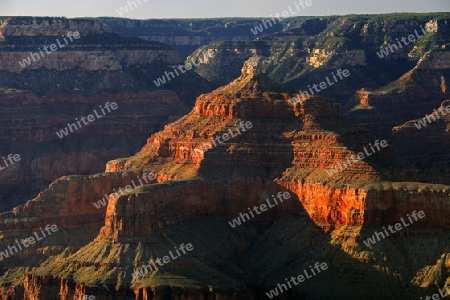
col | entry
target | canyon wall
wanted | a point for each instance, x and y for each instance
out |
(187, 35)
(289, 148)
(30, 125)
(55, 89)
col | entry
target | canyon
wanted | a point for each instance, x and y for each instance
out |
(99, 67)
(288, 149)
(193, 197)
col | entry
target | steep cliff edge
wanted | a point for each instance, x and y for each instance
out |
(287, 149)
(189, 34)
(386, 87)
(31, 127)
(414, 139)
(426, 83)
(41, 92)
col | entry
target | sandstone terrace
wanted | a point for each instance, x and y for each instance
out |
(128, 189)
(243, 126)
(350, 159)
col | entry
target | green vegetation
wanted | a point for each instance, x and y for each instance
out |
(423, 17)
(224, 67)
(411, 186)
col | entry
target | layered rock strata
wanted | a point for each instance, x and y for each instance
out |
(287, 149)
(30, 126)
(414, 140)
(40, 98)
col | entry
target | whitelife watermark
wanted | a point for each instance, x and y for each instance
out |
(321, 86)
(29, 241)
(166, 259)
(372, 241)
(53, 47)
(188, 66)
(146, 177)
(354, 159)
(90, 118)
(385, 52)
(243, 126)
(423, 122)
(124, 9)
(284, 15)
(88, 297)
(263, 207)
(439, 296)
(300, 278)
(11, 158)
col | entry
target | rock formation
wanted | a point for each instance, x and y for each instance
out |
(288, 148)
(40, 99)
(381, 92)
(414, 139)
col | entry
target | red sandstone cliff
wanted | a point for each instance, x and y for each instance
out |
(42, 97)
(288, 149)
